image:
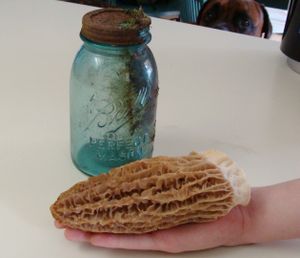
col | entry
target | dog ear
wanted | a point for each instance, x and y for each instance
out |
(267, 27)
(200, 14)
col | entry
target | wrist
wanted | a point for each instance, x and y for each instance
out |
(238, 222)
(271, 214)
(242, 226)
(249, 212)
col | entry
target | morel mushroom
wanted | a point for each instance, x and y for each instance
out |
(153, 194)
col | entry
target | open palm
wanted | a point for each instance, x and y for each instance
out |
(223, 232)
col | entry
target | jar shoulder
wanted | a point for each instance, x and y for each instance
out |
(87, 61)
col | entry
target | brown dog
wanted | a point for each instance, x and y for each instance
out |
(241, 16)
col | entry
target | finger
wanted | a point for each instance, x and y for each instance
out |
(179, 239)
(136, 242)
(175, 240)
(58, 224)
(77, 235)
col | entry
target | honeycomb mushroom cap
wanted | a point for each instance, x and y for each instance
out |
(153, 194)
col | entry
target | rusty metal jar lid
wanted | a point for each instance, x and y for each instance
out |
(116, 26)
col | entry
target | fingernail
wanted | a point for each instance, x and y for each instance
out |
(102, 240)
(76, 235)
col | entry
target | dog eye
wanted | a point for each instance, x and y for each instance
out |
(244, 23)
(210, 16)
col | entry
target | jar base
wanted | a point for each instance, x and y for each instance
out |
(87, 161)
(92, 171)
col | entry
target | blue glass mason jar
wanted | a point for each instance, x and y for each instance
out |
(113, 91)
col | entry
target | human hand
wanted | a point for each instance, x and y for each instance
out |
(226, 231)
(273, 214)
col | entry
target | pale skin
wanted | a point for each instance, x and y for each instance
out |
(273, 214)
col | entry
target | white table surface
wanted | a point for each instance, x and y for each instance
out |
(217, 90)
